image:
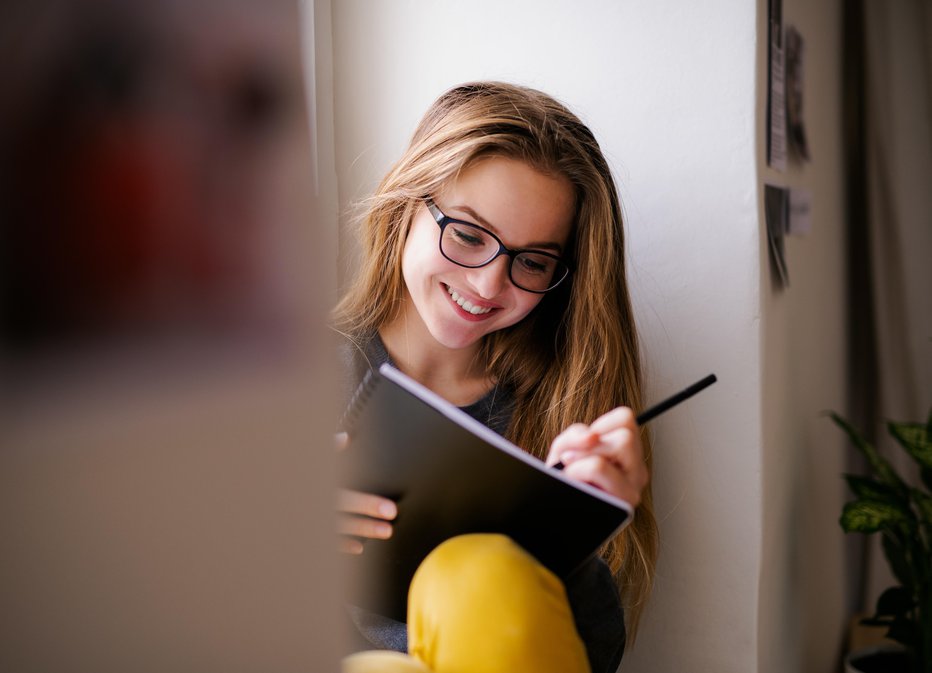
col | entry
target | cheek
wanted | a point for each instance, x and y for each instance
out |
(418, 256)
(525, 303)
(408, 263)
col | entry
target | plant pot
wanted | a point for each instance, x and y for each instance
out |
(885, 658)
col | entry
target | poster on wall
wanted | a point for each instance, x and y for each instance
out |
(796, 129)
(776, 202)
(776, 109)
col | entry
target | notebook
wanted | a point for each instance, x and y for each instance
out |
(451, 475)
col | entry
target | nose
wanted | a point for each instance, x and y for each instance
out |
(489, 281)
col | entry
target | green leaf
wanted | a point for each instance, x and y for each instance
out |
(896, 557)
(926, 475)
(869, 516)
(894, 601)
(923, 504)
(881, 468)
(866, 488)
(916, 439)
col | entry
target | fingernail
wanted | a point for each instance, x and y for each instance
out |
(388, 510)
(568, 457)
(383, 530)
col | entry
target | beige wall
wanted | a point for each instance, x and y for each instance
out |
(802, 603)
(166, 493)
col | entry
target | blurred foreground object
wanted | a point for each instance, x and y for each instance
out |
(162, 506)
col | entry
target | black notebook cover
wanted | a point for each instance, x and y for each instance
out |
(451, 475)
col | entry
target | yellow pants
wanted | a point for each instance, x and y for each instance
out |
(481, 604)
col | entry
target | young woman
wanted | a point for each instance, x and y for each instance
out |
(493, 273)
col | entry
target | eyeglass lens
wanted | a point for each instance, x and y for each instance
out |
(474, 247)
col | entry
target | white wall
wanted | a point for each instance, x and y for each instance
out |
(672, 91)
(678, 127)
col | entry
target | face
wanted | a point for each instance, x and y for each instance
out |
(525, 208)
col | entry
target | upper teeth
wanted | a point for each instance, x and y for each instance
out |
(466, 305)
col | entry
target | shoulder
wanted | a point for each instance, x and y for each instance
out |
(354, 360)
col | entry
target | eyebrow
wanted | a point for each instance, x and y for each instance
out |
(534, 245)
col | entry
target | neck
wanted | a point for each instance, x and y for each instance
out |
(454, 374)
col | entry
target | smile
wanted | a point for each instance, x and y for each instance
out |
(465, 304)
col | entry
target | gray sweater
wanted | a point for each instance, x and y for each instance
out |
(592, 592)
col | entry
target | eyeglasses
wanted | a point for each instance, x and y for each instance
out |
(472, 246)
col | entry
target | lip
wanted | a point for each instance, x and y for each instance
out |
(466, 315)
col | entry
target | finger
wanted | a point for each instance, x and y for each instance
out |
(602, 474)
(341, 440)
(605, 475)
(623, 448)
(350, 545)
(623, 445)
(616, 418)
(575, 440)
(371, 505)
(364, 527)
(614, 443)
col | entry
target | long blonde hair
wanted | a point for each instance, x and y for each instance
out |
(575, 356)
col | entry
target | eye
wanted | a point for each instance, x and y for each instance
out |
(466, 236)
(534, 265)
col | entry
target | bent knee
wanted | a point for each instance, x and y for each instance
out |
(483, 556)
(477, 566)
(482, 597)
(464, 551)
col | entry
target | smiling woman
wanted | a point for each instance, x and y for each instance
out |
(493, 273)
(532, 210)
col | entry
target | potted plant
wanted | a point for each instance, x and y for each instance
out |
(886, 503)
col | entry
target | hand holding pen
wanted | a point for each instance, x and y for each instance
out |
(607, 453)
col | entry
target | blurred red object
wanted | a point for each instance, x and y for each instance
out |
(143, 180)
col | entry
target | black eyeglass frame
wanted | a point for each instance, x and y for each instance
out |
(443, 220)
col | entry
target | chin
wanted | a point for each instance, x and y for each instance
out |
(457, 342)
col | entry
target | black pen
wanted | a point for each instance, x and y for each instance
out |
(660, 407)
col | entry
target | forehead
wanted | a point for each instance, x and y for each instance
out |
(520, 203)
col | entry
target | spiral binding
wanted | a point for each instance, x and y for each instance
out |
(358, 400)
